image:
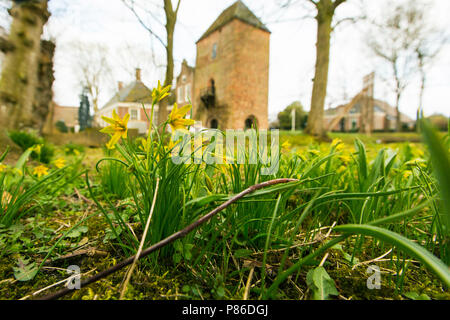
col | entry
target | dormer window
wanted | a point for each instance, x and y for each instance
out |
(214, 51)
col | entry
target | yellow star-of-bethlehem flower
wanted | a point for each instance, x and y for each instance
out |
(2, 167)
(117, 129)
(40, 171)
(160, 93)
(286, 145)
(60, 163)
(176, 118)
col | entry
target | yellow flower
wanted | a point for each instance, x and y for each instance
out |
(406, 174)
(336, 142)
(300, 155)
(2, 167)
(176, 118)
(314, 152)
(341, 169)
(118, 128)
(37, 148)
(60, 163)
(76, 152)
(160, 93)
(286, 145)
(345, 159)
(419, 153)
(40, 171)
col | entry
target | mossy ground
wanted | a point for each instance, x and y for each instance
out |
(169, 282)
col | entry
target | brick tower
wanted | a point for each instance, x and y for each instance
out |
(232, 71)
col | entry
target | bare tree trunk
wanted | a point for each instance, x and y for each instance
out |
(19, 77)
(398, 122)
(325, 12)
(422, 91)
(44, 92)
(171, 19)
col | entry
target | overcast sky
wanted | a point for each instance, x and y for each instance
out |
(292, 51)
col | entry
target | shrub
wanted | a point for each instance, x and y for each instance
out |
(61, 126)
(26, 140)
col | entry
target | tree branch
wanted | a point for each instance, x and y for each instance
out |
(142, 23)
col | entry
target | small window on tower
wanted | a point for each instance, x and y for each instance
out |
(214, 51)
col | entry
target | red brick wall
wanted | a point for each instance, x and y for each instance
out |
(241, 74)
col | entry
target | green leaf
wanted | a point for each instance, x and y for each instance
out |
(3, 156)
(321, 284)
(23, 159)
(242, 253)
(25, 270)
(220, 292)
(75, 233)
(415, 296)
(176, 258)
(404, 244)
(440, 159)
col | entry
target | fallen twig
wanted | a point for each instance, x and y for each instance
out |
(170, 239)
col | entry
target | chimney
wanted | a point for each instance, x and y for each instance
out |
(120, 85)
(138, 74)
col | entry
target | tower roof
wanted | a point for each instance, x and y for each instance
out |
(237, 11)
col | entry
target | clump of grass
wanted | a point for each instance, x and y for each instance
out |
(42, 152)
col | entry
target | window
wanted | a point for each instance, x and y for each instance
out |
(133, 114)
(187, 92)
(214, 51)
(183, 78)
(214, 124)
(180, 94)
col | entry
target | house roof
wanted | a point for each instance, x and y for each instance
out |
(384, 106)
(237, 11)
(134, 92)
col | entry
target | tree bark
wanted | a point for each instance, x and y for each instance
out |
(398, 92)
(44, 92)
(325, 12)
(171, 19)
(19, 77)
(422, 91)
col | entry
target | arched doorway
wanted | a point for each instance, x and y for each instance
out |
(214, 124)
(250, 122)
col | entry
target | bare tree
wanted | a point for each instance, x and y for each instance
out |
(147, 14)
(92, 67)
(428, 43)
(130, 56)
(392, 38)
(324, 14)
